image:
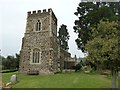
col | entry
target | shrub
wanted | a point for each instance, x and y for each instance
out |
(87, 69)
(78, 67)
(7, 71)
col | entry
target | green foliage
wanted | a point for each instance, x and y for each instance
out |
(89, 14)
(78, 67)
(87, 69)
(104, 44)
(63, 37)
(10, 62)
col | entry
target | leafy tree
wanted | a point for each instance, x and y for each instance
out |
(17, 60)
(63, 37)
(2, 58)
(104, 45)
(89, 14)
(10, 62)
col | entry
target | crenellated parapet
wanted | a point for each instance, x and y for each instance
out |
(40, 51)
(41, 12)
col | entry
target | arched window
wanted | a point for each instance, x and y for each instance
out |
(36, 56)
(38, 26)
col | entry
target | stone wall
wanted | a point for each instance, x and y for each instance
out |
(42, 40)
(64, 56)
(52, 57)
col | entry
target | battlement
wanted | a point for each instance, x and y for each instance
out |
(40, 12)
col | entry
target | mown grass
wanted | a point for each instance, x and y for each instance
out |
(62, 80)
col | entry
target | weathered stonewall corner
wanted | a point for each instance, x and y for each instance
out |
(40, 51)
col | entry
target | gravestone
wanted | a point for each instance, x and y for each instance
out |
(13, 79)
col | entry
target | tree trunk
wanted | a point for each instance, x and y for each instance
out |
(118, 79)
(114, 77)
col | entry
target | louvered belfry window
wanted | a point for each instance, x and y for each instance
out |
(38, 26)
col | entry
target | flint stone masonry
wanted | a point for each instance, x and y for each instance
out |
(51, 56)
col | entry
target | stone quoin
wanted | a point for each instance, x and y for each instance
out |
(40, 51)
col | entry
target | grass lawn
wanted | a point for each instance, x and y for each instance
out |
(63, 80)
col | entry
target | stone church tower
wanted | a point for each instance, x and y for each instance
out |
(39, 51)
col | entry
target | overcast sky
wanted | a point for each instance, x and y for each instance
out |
(13, 21)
